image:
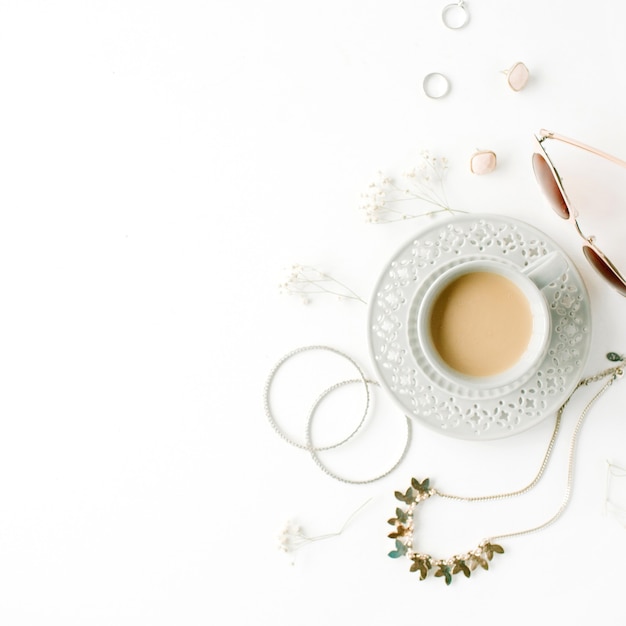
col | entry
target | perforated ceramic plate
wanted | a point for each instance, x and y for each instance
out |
(403, 369)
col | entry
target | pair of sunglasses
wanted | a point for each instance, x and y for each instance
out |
(552, 186)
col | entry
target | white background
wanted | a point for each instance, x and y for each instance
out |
(162, 163)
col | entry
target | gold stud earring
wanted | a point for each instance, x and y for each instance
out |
(483, 162)
(517, 76)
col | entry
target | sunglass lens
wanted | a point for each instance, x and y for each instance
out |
(604, 269)
(548, 184)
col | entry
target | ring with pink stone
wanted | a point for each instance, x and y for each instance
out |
(483, 162)
(517, 76)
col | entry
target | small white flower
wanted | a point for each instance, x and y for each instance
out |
(292, 537)
(305, 282)
(388, 201)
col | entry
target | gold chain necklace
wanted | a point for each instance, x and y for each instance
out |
(467, 562)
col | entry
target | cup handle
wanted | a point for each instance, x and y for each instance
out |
(547, 269)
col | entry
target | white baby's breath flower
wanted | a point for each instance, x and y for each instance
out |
(390, 200)
(291, 536)
(305, 282)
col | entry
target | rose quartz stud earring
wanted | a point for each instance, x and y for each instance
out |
(517, 76)
(483, 162)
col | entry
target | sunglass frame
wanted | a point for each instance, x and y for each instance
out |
(573, 212)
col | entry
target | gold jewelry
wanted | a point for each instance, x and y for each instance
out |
(481, 555)
(483, 162)
(517, 76)
(403, 535)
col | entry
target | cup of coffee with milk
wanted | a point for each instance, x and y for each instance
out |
(484, 323)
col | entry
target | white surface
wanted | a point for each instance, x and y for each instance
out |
(161, 163)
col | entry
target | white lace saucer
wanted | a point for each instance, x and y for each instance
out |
(438, 403)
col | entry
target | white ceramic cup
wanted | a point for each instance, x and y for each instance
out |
(531, 281)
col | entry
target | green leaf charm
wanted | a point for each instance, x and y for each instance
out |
(401, 531)
(491, 548)
(407, 498)
(422, 487)
(461, 566)
(444, 571)
(478, 560)
(399, 551)
(421, 564)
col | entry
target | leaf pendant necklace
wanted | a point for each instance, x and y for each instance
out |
(483, 553)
